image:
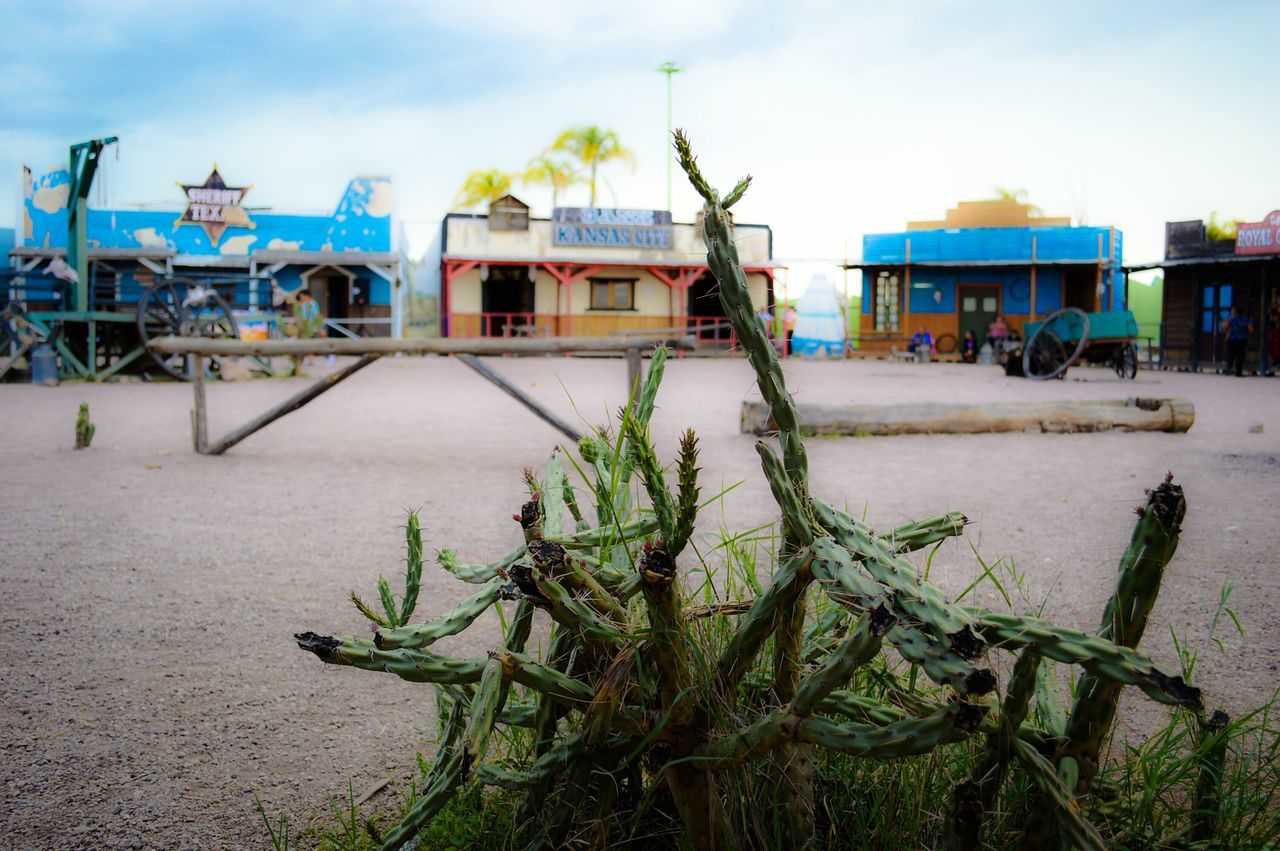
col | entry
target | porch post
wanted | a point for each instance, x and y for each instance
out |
(1031, 310)
(906, 292)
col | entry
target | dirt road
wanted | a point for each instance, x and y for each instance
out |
(149, 596)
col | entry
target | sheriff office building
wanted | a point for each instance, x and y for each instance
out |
(350, 259)
(587, 271)
(984, 259)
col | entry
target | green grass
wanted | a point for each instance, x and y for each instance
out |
(1142, 798)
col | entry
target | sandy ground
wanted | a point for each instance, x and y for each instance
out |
(150, 684)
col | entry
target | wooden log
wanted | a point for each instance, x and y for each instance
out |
(291, 404)
(386, 346)
(520, 396)
(1080, 415)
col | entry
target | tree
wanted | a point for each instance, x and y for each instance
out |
(592, 146)
(482, 187)
(557, 174)
(1220, 231)
(1003, 193)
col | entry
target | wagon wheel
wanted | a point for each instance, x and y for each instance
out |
(183, 308)
(1049, 358)
(946, 344)
(1125, 362)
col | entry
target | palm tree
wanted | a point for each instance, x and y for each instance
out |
(546, 171)
(592, 146)
(1020, 196)
(482, 187)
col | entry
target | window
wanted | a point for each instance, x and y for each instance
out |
(886, 301)
(612, 294)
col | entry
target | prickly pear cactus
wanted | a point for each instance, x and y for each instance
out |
(634, 692)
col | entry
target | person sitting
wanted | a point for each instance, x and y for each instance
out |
(921, 338)
(969, 348)
(996, 332)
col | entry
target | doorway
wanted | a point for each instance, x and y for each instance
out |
(506, 300)
(979, 307)
(333, 294)
(706, 313)
(1215, 307)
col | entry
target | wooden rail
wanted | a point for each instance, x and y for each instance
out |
(385, 346)
(197, 349)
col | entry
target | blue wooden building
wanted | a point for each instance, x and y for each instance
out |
(985, 259)
(350, 259)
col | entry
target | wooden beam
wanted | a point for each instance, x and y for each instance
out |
(293, 403)
(1169, 415)
(520, 396)
(199, 412)
(386, 346)
(22, 350)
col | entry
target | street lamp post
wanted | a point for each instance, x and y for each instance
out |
(670, 69)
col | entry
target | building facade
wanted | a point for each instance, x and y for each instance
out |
(985, 259)
(1204, 279)
(586, 272)
(350, 259)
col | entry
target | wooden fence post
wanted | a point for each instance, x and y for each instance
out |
(199, 416)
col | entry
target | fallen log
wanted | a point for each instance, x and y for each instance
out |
(1080, 415)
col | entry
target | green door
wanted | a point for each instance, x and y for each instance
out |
(979, 307)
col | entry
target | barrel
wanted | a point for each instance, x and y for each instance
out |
(44, 365)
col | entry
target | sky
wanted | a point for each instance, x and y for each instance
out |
(853, 117)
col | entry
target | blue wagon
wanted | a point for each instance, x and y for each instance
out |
(1070, 335)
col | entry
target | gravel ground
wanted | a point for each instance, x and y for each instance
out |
(151, 685)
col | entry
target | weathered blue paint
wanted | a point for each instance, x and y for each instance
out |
(935, 289)
(361, 222)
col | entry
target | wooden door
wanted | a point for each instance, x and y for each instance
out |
(1215, 307)
(979, 307)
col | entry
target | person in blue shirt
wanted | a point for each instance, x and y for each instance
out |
(921, 338)
(1238, 327)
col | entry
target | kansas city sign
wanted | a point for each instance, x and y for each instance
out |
(215, 206)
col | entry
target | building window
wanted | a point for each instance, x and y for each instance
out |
(612, 294)
(886, 301)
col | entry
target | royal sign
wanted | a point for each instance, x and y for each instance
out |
(1259, 237)
(609, 228)
(215, 206)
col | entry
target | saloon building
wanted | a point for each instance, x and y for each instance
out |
(984, 259)
(586, 271)
(1204, 279)
(350, 258)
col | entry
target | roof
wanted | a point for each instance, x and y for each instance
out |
(1204, 261)
(967, 264)
(298, 258)
(591, 261)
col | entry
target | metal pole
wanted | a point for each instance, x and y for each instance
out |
(670, 69)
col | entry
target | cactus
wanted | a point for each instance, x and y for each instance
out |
(632, 686)
(84, 428)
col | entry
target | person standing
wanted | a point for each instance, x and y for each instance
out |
(1238, 326)
(789, 319)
